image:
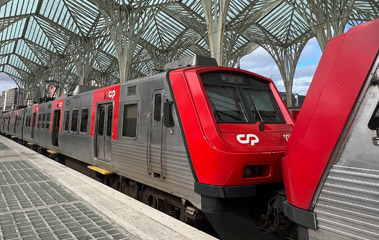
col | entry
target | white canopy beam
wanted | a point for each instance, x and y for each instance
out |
(215, 12)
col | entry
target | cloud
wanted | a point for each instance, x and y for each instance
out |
(262, 63)
(6, 83)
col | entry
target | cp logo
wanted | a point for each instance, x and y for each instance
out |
(112, 93)
(248, 138)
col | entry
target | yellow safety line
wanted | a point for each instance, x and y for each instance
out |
(100, 170)
(52, 151)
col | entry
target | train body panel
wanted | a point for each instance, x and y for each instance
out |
(74, 132)
(348, 200)
(154, 155)
(42, 134)
(27, 129)
(331, 167)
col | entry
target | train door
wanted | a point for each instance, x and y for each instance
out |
(156, 134)
(55, 127)
(104, 123)
(9, 122)
(22, 124)
(15, 123)
(33, 124)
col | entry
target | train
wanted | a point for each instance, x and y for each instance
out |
(197, 140)
(331, 167)
(203, 141)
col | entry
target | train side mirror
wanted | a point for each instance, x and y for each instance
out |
(168, 120)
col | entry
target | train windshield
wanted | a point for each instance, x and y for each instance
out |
(238, 98)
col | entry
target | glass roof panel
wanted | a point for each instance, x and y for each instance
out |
(55, 35)
(15, 61)
(37, 30)
(14, 31)
(3, 59)
(58, 13)
(36, 34)
(24, 50)
(11, 71)
(109, 48)
(85, 14)
(7, 48)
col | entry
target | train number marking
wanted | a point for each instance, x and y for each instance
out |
(112, 93)
(287, 136)
(247, 138)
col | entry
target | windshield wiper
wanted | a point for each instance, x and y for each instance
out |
(261, 124)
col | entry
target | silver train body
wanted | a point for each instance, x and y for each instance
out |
(155, 156)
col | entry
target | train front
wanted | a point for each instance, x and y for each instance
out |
(236, 127)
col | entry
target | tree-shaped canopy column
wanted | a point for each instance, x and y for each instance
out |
(127, 21)
(326, 19)
(215, 17)
(83, 51)
(286, 58)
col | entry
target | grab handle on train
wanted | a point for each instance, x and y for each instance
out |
(375, 140)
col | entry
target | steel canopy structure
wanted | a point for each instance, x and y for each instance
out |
(101, 42)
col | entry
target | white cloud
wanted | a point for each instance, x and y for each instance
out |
(6, 82)
(262, 63)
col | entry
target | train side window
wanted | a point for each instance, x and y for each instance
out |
(109, 121)
(43, 120)
(47, 125)
(129, 125)
(157, 107)
(74, 120)
(38, 120)
(26, 121)
(66, 120)
(84, 121)
(101, 120)
(373, 124)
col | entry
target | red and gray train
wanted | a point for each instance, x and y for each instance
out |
(203, 137)
(199, 139)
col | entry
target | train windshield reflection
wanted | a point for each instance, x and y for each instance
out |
(237, 98)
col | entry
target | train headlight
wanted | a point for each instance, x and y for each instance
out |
(251, 171)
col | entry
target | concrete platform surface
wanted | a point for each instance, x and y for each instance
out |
(42, 199)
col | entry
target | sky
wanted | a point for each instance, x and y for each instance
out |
(6, 82)
(259, 62)
(262, 63)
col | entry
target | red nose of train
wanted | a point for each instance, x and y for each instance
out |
(235, 124)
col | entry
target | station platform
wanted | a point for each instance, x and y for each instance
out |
(42, 199)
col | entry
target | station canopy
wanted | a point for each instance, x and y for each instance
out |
(85, 41)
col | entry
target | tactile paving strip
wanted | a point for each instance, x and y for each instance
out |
(33, 206)
(67, 221)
